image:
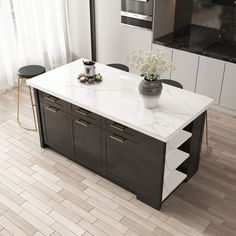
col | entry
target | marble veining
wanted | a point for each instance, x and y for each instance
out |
(204, 27)
(117, 98)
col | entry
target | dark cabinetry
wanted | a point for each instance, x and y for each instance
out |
(136, 162)
(86, 139)
(55, 124)
(71, 131)
(85, 114)
(125, 156)
(53, 101)
(121, 158)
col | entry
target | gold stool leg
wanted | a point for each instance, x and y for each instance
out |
(18, 101)
(18, 107)
(32, 105)
(206, 135)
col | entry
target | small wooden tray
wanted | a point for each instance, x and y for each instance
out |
(89, 80)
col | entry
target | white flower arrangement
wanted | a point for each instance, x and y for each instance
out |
(151, 64)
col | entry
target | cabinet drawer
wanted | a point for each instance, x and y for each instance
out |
(126, 132)
(122, 130)
(53, 101)
(85, 115)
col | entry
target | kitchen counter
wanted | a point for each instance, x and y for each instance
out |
(117, 98)
(200, 40)
(106, 128)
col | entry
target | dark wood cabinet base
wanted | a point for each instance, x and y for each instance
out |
(127, 157)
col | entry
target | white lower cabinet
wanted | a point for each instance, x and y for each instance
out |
(204, 75)
(228, 94)
(168, 57)
(186, 65)
(210, 76)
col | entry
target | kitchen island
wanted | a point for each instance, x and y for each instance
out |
(106, 128)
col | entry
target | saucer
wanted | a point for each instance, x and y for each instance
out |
(90, 80)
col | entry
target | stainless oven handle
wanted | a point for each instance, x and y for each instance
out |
(136, 16)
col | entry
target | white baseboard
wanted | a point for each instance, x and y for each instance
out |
(223, 109)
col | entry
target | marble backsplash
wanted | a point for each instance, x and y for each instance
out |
(204, 28)
(221, 18)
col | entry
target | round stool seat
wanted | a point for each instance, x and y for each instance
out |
(172, 83)
(31, 71)
(119, 66)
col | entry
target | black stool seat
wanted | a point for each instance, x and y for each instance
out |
(119, 66)
(172, 83)
(31, 71)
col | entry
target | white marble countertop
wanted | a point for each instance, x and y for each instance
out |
(117, 98)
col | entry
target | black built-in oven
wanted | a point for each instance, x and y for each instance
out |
(137, 13)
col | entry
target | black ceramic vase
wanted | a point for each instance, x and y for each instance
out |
(150, 92)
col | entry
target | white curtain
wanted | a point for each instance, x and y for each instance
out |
(32, 32)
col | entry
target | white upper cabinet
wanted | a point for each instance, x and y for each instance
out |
(186, 65)
(210, 76)
(228, 94)
(168, 57)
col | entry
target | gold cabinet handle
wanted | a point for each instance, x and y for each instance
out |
(117, 128)
(83, 123)
(51, 109)
(117, 138)
(50, 99)
(82, 112)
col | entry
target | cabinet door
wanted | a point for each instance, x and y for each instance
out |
(136, 164)
(228, 95)
(168, 57)
(87, 144)
(210, 75)
(186, 65)
(56, 129)
(121, 158)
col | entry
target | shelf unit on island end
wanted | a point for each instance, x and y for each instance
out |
(105, 128)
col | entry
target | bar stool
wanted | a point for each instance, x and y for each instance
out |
(179, 85)
(172, 83)
(25, 73)
(119, 66)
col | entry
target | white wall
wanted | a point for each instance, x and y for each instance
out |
(115, 41)
(80, 28)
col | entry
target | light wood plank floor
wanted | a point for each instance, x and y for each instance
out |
(43, 193)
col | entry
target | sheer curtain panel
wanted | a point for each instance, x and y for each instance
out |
(32, 32)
